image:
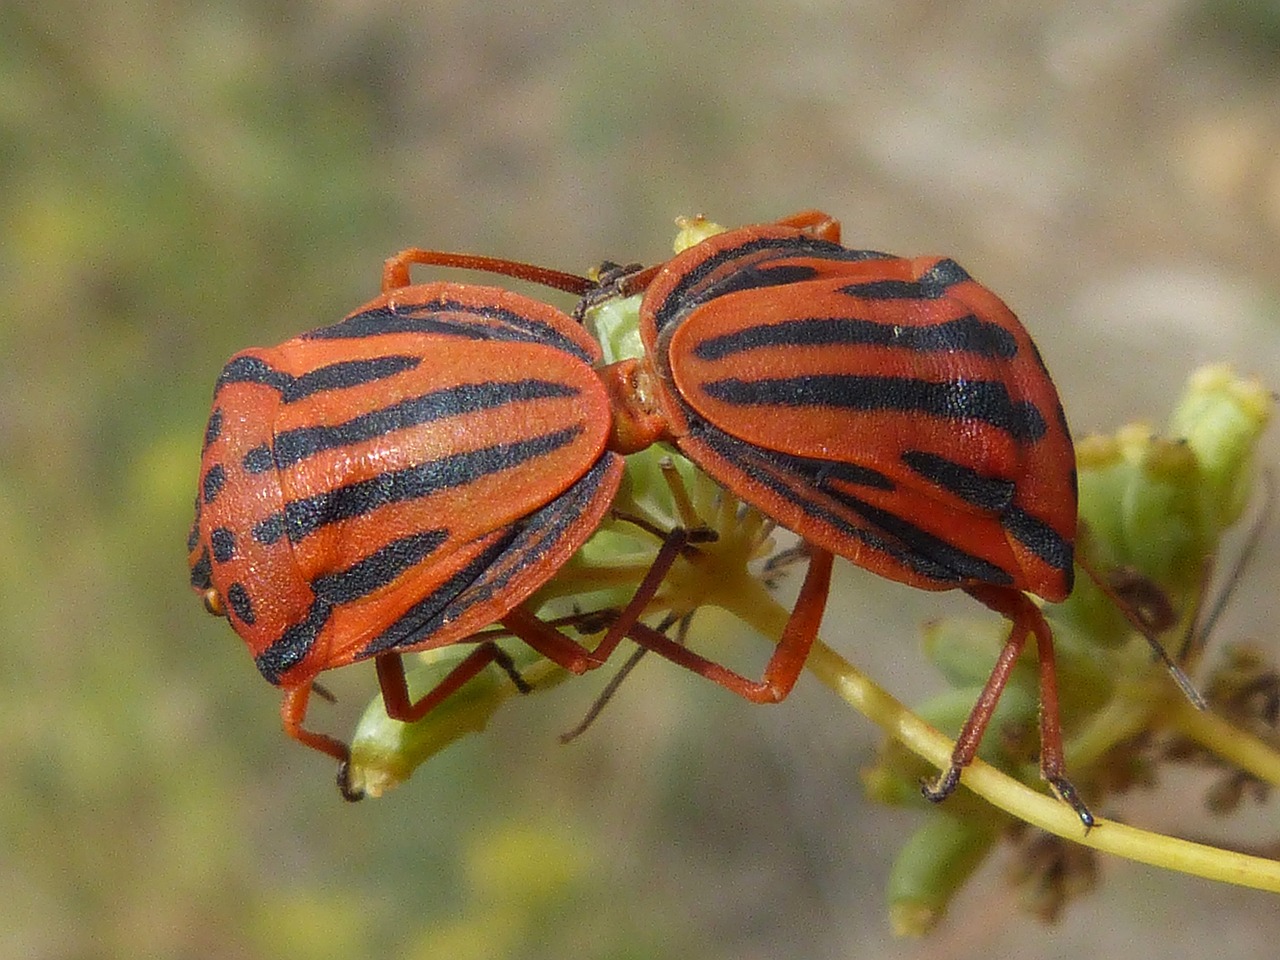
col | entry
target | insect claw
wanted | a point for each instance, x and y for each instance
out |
(350, 793)
(945, 783)
(942, 786)
(1067, 794)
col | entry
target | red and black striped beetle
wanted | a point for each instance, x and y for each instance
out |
(892, 411)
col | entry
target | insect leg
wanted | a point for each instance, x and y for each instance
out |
(395, 689)
(572, 656)
(788, 659)
(395, 272)
(1053, 766)
(293, 711)
(815, 223)
(1026, 619)
(615, 682)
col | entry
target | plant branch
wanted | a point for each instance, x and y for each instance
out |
(1246, 751)
(764, 614)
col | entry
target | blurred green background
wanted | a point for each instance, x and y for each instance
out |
(179, 180)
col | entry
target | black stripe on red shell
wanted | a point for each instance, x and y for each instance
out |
(446, 317)
(983, 401)
(305, 516)
(967, 334)
(757, 271)
(334, 376)
(803, 481)
(293, 446)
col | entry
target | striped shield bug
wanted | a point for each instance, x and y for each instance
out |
(889, 410)
(399, 481)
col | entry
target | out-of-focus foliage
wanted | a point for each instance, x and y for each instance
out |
(1252, 24)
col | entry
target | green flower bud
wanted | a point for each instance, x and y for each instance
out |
(384, 752)
(1221, 417)
(930, 869)
(615, 323)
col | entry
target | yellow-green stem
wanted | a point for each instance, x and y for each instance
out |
(1228, 742)
(764, 614)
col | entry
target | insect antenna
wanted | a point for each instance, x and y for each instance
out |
(1141, 624)
(611, 688)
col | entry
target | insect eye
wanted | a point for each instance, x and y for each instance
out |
(213, 603)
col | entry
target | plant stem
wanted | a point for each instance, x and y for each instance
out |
(757, 608)
(1228, 742)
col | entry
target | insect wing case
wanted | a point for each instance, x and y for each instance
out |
(431, 460)
(893, 411)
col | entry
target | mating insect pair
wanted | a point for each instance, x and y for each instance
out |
(406, 477)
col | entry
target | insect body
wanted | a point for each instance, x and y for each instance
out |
(892, 411)
(398, 481)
